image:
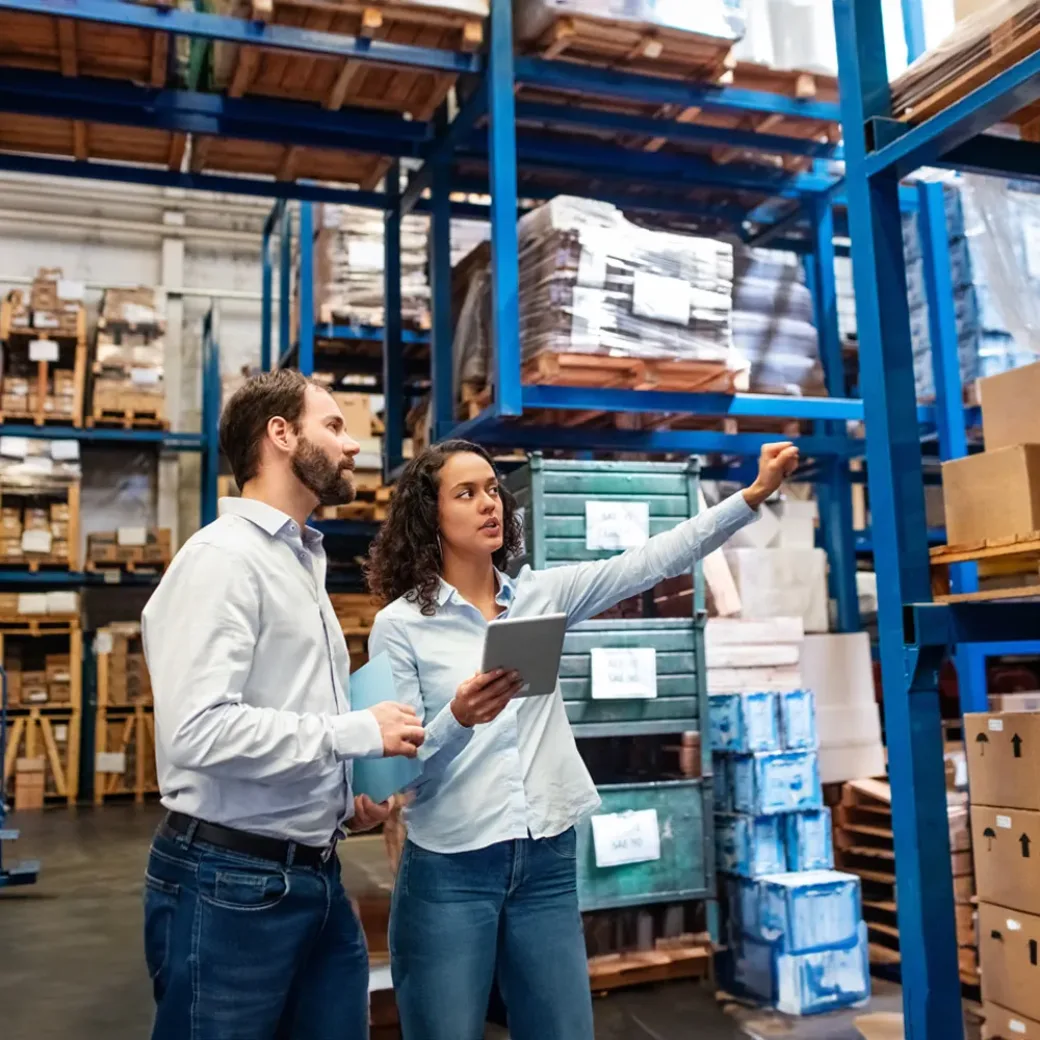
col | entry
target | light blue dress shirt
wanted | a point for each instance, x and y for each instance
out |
(521, 775)
(250, 674)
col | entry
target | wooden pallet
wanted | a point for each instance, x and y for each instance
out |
(34, 563)
(121, 733)
(686, 957)
(126, 566)
(999, 559)
(370, 506)
(38, 734)
(129, 419)
(45, 625)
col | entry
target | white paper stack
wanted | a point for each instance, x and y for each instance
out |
(837, 668)
(754, 656)
(777, 583)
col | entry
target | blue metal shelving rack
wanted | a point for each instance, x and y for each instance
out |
(916, 634)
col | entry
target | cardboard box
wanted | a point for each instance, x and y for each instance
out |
(28, 784)
(1007, 847)
(1009, 702)
(1003, 759)
(1008, 944)
(1002, 1024)
(992, 495)
(1009, 412)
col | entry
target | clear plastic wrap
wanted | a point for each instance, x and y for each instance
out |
(790, 34)
(720, 18)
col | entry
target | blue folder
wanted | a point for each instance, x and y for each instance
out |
(379, 778)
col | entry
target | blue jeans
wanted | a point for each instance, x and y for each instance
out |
(509, 911)
(240, 948)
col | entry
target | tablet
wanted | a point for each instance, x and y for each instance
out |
(531, 646)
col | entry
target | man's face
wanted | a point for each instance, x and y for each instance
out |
(323, 460)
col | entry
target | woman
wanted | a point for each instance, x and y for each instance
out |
(486, 886)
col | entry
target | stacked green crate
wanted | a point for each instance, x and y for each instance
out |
(553, 496)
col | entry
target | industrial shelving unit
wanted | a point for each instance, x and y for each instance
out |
(915, 633)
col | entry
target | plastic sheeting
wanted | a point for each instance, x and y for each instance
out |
(720, 18)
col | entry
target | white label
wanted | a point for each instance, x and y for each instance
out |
(112, 577)
(42, 464)
(365, 256)
(14, 447)
(43, 350)
(32, 603)
(1013, 926)
(592, 267)
(44, 321)
(36, 541)
(64, 451)
(1004, 822)
(623, 674)
(996, 725)
(628, 837)
(104, 643)
(132, 535)
(1017, 1027)
(659, 298)
(110, 762)
(616, 525)
(61, 734)
(145, 376)
(69, 290)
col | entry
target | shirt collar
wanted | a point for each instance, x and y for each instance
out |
(267, 518)
(506, 590)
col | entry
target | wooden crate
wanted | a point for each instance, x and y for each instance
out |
(1011, 566)
(370, 506)
(41, 380)
(685, 957)
(63, 505)
(127, 408)
(67, 687)
(124, 754)
(123, 680)
(108, 551)
(53, 736)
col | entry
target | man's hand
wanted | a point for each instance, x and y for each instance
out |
(776, 463)
(482, 698)
(367, 814)
(399, 725)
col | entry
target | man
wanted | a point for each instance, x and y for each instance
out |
(248, 932)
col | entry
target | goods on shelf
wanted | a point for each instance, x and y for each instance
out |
(128, 386)
(605, 302)
(789, 34)
(39, 503)
(44, 339)
(773, 331)
(129, 548)
(652, 36)
(37, 609)
(123, 677)
(355, 611)
(349, 261)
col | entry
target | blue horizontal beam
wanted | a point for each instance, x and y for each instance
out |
(186, 111)
(102, 435)
(485, 429)
(226, 29)
(646, 401)
(651, 90)
(905, 149)
(990, 155)
(687, 133)
(949, 624)
(13, 576)
(365, 333)
(354, 529)
(865, 541)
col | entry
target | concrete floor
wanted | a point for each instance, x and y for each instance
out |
(71, 964)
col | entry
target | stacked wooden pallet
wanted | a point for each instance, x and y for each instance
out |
(124, 761)
(356, 611)
(133, 549)
(44, 335)
(864, 845)
(43, 661)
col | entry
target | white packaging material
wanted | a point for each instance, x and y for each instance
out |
(741, 632)
(797, 523)
(763, 680)
(764, 656)
(837, 668)
(32, 603)
(764, 533)
(782, 583)
(59, 602)
(851, 762)
(856, 724)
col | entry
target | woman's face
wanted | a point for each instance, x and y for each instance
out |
(470, 506)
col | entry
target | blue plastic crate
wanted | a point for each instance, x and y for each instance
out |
(721, 785)
(797, 724)
(744, 722)
(803, 983)
(808, 840)
(750, 846)
(815, 910)
(775, 782)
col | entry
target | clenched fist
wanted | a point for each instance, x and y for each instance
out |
(400, 727)
(775, 464)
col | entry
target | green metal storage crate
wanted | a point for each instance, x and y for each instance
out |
(686, 869)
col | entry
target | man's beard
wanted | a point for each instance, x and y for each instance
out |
(329, 481)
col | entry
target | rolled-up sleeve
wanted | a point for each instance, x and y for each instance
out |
(586, 589)
(200, 632)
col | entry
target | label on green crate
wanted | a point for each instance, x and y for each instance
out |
(624, 674)
(616, 525)
(626, 837)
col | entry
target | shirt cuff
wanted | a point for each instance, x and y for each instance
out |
(736, 513)
(357, 735)
(444, 731)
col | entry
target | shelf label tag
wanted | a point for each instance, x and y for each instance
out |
(43, 350)
(132, 535)
(36, 541)
(624, 674)
(110, 762)
(627, 837)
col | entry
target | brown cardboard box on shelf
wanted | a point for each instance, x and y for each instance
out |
(34, 688)
(1001, 1024)
(1009, 412)
(59, 693)
(992, 495)
(1006, 844)
(1003, 759)
(1008, 943)
(357, 414)
(28, 784)
(1011, 702)
(58, 668)
(11, 548)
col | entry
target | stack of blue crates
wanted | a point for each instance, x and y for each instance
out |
(794, 925)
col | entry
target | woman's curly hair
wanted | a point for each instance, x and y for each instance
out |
(405, 559)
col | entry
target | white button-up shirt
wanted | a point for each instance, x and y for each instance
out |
(250, 674)
(520, 775)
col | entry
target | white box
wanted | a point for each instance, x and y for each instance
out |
(740, 632)
(762, 534)
(797, 524)
(782, 583)
(855, 724)
(59, 602)
(759, 680)
(837, 668)
(851, 762)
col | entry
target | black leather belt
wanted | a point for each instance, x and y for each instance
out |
(285, 852)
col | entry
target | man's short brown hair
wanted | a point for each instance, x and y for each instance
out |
(243, 425)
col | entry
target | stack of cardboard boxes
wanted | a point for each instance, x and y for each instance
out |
(127, 675)
(34, 686)
(1004, 776)
(131, 546)
(38, 531)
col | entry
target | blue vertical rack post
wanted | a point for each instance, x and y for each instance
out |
(393, 348)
